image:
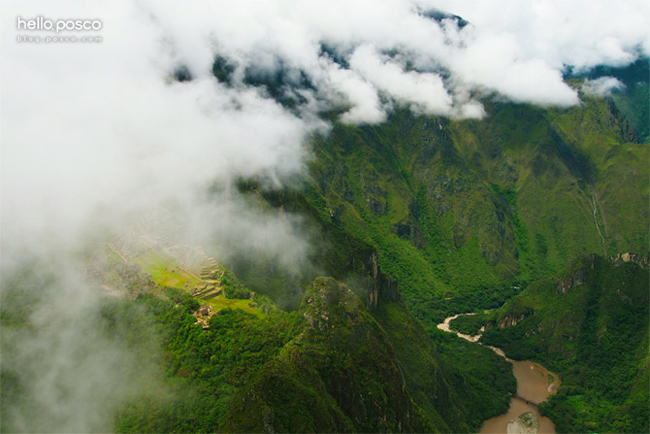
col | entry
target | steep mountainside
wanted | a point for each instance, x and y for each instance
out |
(458, 209)
(459, 216)
(327, 367)
(338, 375)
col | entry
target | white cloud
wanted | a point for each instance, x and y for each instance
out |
(366, 106)
(424, 91)
(602, 86)
(497, 64)
(579, 33)
(517, 49)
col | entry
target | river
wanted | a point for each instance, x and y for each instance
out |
(535, 384)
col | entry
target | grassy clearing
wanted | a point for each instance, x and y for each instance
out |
(165, 272)
(220, 302)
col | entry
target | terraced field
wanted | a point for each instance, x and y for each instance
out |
(165, 271)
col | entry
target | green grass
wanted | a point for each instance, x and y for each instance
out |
(165, 272)
(220, 302)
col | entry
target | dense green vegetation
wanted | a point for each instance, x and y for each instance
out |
(327, 367)
(461, 215)
(464, 383)
(203, 368)
(633, 99)
(589, 325)
(453, 208)
(340, 372)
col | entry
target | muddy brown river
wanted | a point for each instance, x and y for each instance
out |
(535, 384)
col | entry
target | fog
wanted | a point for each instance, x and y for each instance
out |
(96, 134)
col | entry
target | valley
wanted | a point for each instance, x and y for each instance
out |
(330, 264)
(534, 385)
(424, 218)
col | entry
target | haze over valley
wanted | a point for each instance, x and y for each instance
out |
(329, 216)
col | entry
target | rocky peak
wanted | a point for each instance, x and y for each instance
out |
(326, 300)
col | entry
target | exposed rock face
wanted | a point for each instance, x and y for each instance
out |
(575, 279)
(379, 285)
(511, 320)
(622, 258)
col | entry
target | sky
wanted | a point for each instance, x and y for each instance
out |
(94, 132)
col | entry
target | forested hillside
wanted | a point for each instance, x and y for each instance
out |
(590, 325)
(463, 213)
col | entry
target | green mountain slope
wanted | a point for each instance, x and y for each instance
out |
(457, 210)
(327, 367)
(339, 374)
(459, 216)
(424, 217)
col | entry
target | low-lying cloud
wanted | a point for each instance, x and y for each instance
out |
(602, 86)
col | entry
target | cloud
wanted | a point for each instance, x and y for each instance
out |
(517, 50)
(425, 91)
(357, 92)
(497, 64)
(577, 33)
(602, 86)
(72, 369)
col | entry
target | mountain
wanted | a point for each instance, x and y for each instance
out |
(412, 220)
(462, 212)
(633, 98)
(338, 375)
(330, 366)
(461, 215)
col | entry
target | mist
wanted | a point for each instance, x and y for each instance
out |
(95, 135)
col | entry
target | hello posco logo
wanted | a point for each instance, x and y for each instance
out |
(40, 23)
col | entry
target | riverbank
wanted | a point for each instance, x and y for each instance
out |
(535, 384)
